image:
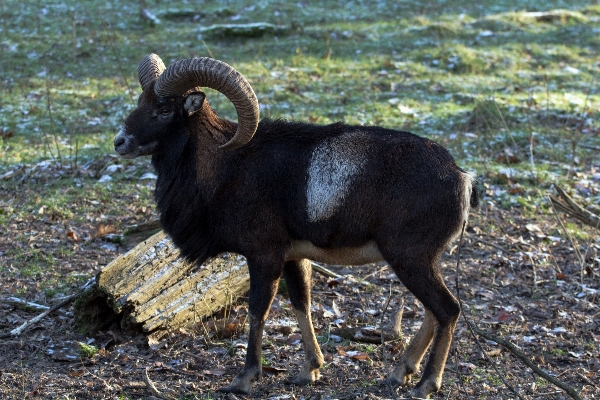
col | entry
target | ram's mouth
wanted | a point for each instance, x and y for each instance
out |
(124, 149)
(127, 154)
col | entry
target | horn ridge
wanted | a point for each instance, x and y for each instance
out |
(184, 75)
(149, 69)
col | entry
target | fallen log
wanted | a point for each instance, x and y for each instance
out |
(153, 289)
(566, 204)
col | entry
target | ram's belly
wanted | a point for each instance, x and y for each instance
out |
(368, 253)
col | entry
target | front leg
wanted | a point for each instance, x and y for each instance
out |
(263, 286)
(298, 280)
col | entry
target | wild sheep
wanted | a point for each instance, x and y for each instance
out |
(282, 192)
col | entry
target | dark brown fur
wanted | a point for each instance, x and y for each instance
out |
(410, 200)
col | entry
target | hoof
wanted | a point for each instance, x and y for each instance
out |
(424, 389)
(307, 375)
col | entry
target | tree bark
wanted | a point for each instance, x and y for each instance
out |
(153, 289)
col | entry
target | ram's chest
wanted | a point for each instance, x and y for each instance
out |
(334, 167)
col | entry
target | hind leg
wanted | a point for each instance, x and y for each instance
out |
(297, 276)
(412, 356)
(420, 275)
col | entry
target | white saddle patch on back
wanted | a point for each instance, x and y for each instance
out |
(334, 166)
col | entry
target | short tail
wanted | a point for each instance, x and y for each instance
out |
(474, 195)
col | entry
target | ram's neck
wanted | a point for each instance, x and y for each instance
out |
(188, 178)
(207, 124)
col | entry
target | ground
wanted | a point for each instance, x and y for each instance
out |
(510, 282)
(510, 87)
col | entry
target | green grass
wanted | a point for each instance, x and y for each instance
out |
(480, 79)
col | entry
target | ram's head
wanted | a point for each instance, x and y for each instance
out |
(172, 95)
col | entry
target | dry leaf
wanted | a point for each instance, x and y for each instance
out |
(294, 338)
(225, 329)
(336, 281)
(358, 355)
(73, 236)
(503, 316)
(76, 373)
(102, 230)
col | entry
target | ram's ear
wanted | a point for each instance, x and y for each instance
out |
(193, 102)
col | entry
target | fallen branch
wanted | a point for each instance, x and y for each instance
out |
(144, 227)
(153, 389)
(470, 325)
(506, 344)
(321, 269)
(590, 147)
(373, 335)
(147, 15)
(17, 331)
(523, 357)
(23, 304)
(565, 203)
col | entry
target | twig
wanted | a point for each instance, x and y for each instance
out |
(325, 271)
(468, 322)
(575, 248)
(506, 344)
(153, 388)
(207, 49)
(567, 205)
(331, 274)
(523, 357)
(104, 381)
(17, 331)
(49, 108)
(502, 249)
(586, 379)
(15, 301)
(118, 59)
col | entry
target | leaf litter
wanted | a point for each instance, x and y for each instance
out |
(554, 321)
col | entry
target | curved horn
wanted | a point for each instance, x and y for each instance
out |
(184, 75)
(150, 69)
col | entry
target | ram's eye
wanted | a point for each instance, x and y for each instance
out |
(166, 111)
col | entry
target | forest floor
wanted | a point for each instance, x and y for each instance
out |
(509, 87)
(517, 280)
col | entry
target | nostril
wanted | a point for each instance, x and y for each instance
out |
(119, 142)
